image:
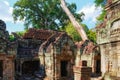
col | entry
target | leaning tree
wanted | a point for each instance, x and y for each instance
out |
(75, 23)
(87, 45)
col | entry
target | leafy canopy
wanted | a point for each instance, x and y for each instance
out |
(101, 3)
(45, 14)
(69, 28)
(72, 32)
(92, 35)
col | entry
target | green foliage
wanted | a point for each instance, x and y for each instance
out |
(20, 33)
(45, 14)
(85, 27)
(101, 16)
(73, 32)
(75, 35)
(11, 37)
(92, 35)
(101, 3)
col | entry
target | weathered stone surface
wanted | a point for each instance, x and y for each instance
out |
(6, 54)
(55, 50)
(82, 72)
(108, 38)
(2, 25)
(110, 31)
(88, 51)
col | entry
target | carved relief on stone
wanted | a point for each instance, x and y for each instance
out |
(104, 33)
(115, 30)
(115, 24)
(66, 51)
(114, 13)
(112, 64)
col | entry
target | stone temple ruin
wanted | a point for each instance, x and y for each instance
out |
(52, 55)
(49, 49)
(108, 37)
(46, 54)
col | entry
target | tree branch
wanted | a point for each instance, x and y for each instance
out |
(77, 26)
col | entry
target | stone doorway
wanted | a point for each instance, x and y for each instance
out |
(64, 71)
(98, 66)
(30, 67)
(1, 69)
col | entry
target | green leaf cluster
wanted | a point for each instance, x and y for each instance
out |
(102, 16)
(72, 32)
(20, 33)
(11, 38)
(92, 35)
(45, 14)
(101, 3)
(75, 35)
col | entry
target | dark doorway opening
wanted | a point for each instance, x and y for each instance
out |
(1, 69)
(64, 71)
(30, 67)
(98, 66)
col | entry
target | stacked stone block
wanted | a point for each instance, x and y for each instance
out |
(82, 72)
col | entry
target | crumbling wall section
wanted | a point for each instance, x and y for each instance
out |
(7, 53)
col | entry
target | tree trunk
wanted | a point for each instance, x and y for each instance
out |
(75, 23)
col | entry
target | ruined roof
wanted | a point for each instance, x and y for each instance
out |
(38, 41)
(46, 36)
(37, 34)
(41, 34)
(111, 3)
(103, 24)
(86, 47)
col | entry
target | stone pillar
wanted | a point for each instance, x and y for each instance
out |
(82, 72)
(8, 69)
(93, 66)
(103, 61)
